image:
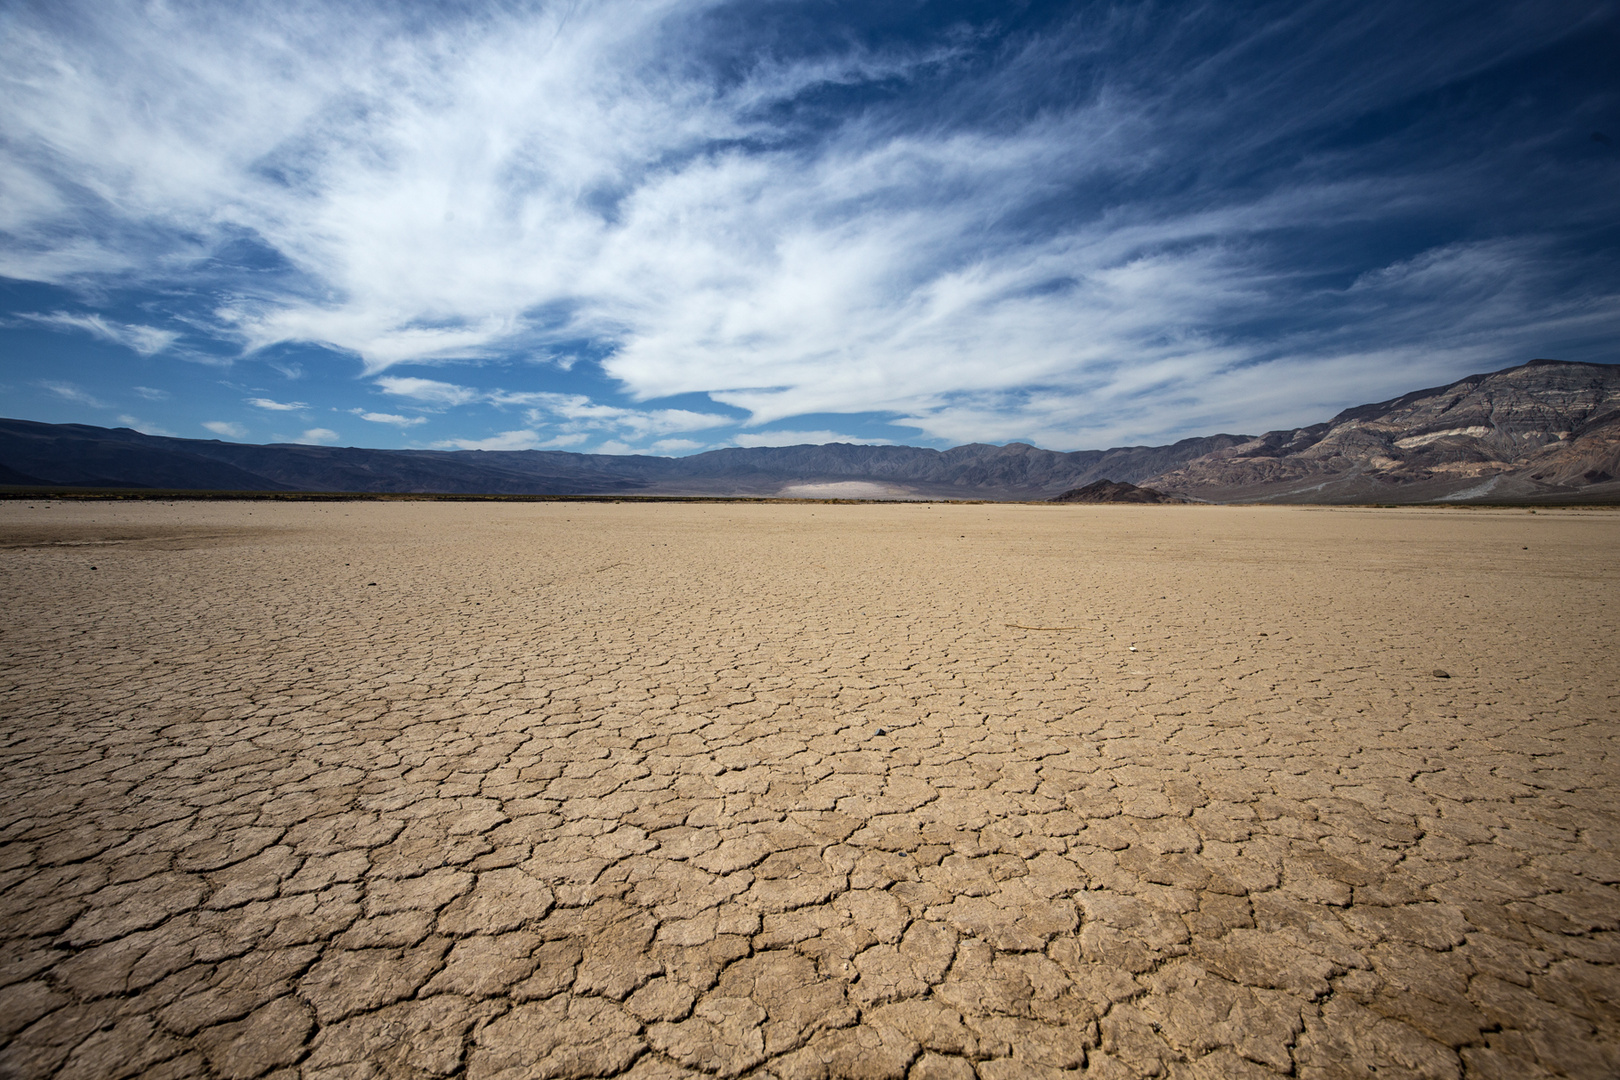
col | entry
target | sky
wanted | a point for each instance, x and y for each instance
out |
(667, 226)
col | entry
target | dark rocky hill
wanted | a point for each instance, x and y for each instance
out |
(1546, 430)
(1109, 491)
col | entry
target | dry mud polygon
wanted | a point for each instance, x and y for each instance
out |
(567, 790)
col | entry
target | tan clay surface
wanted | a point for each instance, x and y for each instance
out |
(567, 790)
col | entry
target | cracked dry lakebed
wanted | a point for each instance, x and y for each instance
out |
(501, 790)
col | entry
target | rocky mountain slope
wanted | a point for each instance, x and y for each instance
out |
(1545, 430)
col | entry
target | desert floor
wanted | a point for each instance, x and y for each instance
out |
(513, 790)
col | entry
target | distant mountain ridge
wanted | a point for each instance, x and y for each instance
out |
(84, 456)
(1546, 430)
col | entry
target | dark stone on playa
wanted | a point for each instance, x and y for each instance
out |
(1441, 674)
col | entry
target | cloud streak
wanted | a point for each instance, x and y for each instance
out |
(572, 416)
(68, 392)
(144, 340)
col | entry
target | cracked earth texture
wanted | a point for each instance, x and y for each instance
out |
(568, 790)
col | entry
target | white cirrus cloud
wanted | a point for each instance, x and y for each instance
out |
(317, 437)
(229, 429)
(151, 393)
(277, 406)
(507, 181)
(145, 340)
(566, 414)
(69, 392)
(580, 412)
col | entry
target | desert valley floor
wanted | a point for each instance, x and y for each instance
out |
(416, 789)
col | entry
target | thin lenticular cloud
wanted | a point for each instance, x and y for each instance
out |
(1101, 226)
(800, 438)
(389, 418)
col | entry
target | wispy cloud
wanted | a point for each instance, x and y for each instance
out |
(317, 436)
(575, 411)
(1104, 227)
(430, 391)
(229, 429)
(145, 340)
(277, 406)
(69, 392)
(563, 414)
(506, 440)
(151, 393)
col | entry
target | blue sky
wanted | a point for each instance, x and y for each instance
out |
(670, 226)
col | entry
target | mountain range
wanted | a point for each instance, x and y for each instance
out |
(1546, 431)
(1542, 431)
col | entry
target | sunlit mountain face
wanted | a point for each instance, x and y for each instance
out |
(669, 228)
